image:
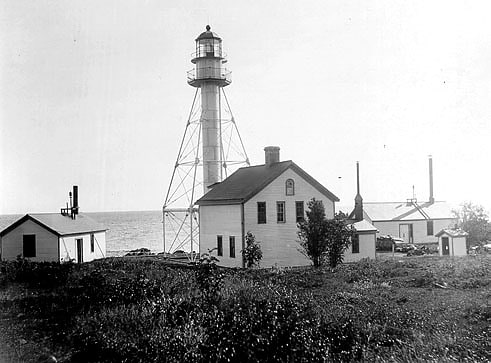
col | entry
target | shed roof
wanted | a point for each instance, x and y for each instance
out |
(248, 181)
(452, 233)
(364, 226)
(394, 211)
(59, 224)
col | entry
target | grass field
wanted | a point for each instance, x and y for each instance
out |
(402, 309)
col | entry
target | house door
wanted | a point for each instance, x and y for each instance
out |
(445, 248)
(406, 232)
(80, 250)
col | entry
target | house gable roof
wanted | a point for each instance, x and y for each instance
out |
(59, 224)
(248, 181)
(400, 211)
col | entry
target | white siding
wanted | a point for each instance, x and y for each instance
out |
(68, 247)
(46, 242)
(367, 248)
(419, 228)
(456, 245)
(459, 246)
(223, 220)
(279, 241)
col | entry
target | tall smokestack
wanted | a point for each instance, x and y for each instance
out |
(75, 199)
(430, 164)
(271, 155)
(358, 198)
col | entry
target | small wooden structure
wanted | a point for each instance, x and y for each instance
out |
(452, 242)
(61, 237)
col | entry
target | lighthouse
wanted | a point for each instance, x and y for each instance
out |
(210, 75)
(210, 149)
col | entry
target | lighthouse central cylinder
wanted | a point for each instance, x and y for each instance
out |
(210, 119)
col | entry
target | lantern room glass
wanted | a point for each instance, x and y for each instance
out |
(209, 47)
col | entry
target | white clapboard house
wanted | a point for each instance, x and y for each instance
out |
(61, 237)
(268, 200)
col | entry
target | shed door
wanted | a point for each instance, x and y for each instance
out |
(445, 248)
(80, 250)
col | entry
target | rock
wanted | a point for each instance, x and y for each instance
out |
(22, 341)
(47, 358)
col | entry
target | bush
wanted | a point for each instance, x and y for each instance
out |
(35, 274)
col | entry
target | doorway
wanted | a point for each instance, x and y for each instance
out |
(80, 250)
(445, 247)
(406, 232)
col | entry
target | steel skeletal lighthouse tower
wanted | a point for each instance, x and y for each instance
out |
(210, 148)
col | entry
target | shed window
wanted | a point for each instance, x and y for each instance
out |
(29, 245)
(299, 211)
(261, 212)
(92, 243)
(355, 244)
(232, 246)
(290, 187)
(280, 212)
(219, 245)
(429, 228)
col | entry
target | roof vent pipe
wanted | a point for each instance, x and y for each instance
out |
(358, 198)
(430, 165)
(75, 199)
(272, 155)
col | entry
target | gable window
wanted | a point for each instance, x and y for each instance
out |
(261, 212)
(280, 212)
(299, 211)
(232, 246)
(219, 245)
(429, 228)
(355, 244)
(92, 243)
(29, 245)
(290, 187)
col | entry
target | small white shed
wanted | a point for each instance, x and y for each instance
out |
(452, 242)
(362, 243)
(54, 237)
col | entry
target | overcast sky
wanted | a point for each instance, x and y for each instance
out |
(94, 93)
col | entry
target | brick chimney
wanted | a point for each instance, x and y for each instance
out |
(272, 155)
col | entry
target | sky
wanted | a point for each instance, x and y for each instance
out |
(94, 94)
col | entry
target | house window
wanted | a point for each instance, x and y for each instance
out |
(355, 244)
(29, 245)
(219, 245)
(232, 246)
(299, 211)
(290, 187)
(261, 212)
(429, 228)
(280, 212)
(92, 243)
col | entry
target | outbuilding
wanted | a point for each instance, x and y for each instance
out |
(54, 237)
(452, 242)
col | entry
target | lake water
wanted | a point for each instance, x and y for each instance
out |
(127, 230)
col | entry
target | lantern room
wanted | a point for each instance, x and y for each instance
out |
(209, 59)
(208, 45)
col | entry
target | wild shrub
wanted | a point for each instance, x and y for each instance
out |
(36, 274)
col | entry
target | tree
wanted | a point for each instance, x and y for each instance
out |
(322, 239)
(252, 253)
(473, 219)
